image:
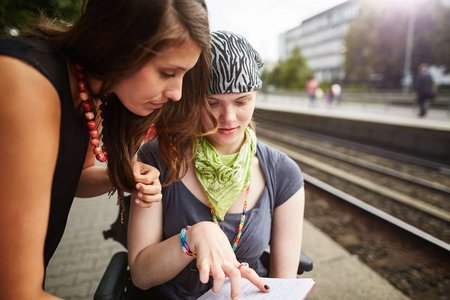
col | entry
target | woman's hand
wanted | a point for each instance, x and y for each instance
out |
(148, 187)
(216, 258)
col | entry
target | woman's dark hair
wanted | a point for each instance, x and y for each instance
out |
(113, 39)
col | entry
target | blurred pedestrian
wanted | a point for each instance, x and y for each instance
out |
(311, 89)
(425, 89)
(334, 94)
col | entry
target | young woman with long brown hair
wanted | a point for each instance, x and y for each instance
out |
(73, 93)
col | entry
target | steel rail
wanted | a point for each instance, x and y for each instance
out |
(377, 212)
(355, 161)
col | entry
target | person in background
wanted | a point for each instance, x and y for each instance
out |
(334, 94)
(311, 89)
(237, 196)
(121, 67)
(425, 89)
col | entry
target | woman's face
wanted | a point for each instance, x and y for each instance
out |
(159, 80)
(234, 112)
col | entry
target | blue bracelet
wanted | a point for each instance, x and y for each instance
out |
(184, 244)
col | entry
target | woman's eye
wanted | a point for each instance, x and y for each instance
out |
(167, 74)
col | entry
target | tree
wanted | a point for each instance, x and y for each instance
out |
(375, 45)
(432, 35)
(291, 73)
(376, 40)
(22, 13)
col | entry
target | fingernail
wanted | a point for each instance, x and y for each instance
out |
(137, 186)
(136, 201)
(139, 195)
(267, 287)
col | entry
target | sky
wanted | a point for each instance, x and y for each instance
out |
(261, 21)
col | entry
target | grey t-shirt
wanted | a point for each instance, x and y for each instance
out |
(180, 208)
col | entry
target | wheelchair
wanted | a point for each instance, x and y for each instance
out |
(116, 283)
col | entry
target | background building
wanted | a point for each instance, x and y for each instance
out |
(321, 40)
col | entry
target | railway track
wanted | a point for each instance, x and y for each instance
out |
(389, 209)
(397, 191)
(414, 266)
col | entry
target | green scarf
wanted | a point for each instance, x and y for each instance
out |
(222, 178)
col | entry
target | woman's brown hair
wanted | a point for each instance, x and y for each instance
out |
(113, 39)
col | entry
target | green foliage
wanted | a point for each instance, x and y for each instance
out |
(290, 74)
(376, 45)
(25, 13)
(432, 35)
(376, 40)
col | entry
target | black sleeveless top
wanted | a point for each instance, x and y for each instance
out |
(73, 139)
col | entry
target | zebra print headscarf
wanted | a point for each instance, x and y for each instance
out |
(235, 64)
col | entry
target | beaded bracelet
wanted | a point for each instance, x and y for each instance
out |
(184, 244)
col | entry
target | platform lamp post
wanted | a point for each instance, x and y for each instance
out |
(407, 74)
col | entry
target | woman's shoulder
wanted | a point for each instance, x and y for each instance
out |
(283, 174)
(35, 52)
(40, 55)
(271, 154)
(275, 161)
(21, 82)
(15, 45)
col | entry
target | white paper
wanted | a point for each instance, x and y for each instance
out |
(286, 289)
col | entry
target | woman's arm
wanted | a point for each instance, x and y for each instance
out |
(154, 261)
(147, 251)
(29, 134)
(95, 181)
(286, 239)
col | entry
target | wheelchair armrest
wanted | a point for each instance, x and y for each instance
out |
(112, 282)
(305, 265)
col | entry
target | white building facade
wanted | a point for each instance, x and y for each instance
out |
(321, 40)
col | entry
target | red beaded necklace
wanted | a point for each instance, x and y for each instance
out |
(241, 221)
(89, 114)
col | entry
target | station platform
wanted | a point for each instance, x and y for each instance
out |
(397, 128)
(340, 275)
(80, 260)
(438, 119)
